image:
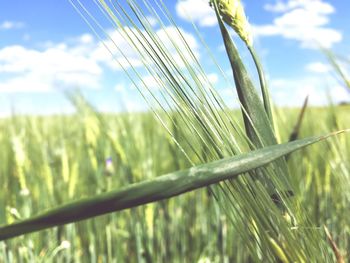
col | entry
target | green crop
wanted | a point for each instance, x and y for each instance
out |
(249, 205)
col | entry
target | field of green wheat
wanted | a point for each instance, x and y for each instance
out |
(47, 161)
(190, 180)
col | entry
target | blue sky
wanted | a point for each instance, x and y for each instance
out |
(46, 49)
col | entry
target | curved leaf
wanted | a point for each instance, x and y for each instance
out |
(160, 188)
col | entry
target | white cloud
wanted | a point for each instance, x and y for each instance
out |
(306, 21)
(340, 94)
(151, 82)
(152, 21)
(282, 6)
(213, 78)
(292, 92)
(79, 61)
(318, 67)
(8, 25)
(123, 45)
(55, 67)
(134, 106)
(177, 43)
(86, 39)
(196, 10)
(210, 78)
(155, 83)
(119, 88)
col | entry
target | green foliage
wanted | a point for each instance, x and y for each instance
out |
(187, 227)
(51, 161)
(153, 190)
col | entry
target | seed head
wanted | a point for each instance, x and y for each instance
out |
(232, 12)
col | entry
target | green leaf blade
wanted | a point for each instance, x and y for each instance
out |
(157, 189)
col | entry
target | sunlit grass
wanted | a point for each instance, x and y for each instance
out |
(276, 212)
(190, 226)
